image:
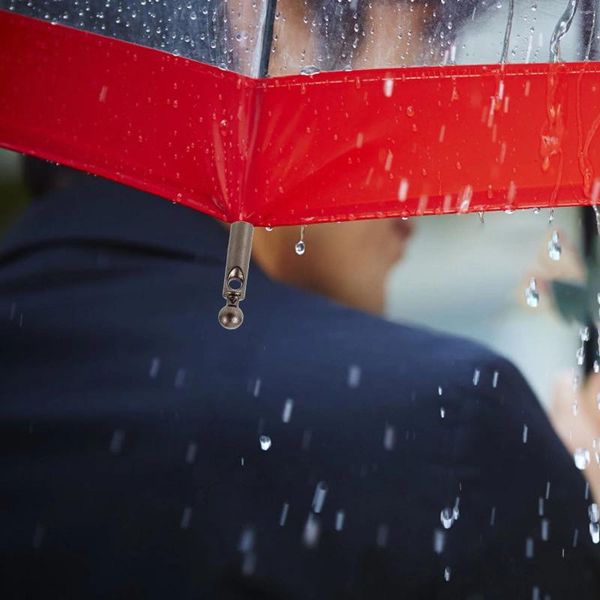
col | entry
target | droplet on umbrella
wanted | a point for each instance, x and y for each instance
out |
(532, 296)
(265, 442)
(581, 456)
(300, 246)
(309, 70)
(554, 247)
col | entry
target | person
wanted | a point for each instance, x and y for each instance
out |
(317, 452)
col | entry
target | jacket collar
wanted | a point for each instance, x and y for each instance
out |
(104, 211)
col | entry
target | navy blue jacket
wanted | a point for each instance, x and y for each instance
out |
(396, 462)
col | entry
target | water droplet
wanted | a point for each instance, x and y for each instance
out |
(354, 373)
(319, 496)
(545, 532)
(300, 247)
(287, 410)
(312, 530)
(594, 513)
(581, 456)
(389, 437)
(525, 433)
(442, 412)
(265, 442)
(532, 296)
(186, 517)
(340, 516)
(388, 87)
(529, 548)
(447, 517)
(190, 455)
(116, 442)
(495, 379)
(154, 367)
(309, 70)
(476, 376)
(447, 574)
(554, 247)
(595, 532)
(439, 541)
(284, 513)
(403, 190)
(269, 228)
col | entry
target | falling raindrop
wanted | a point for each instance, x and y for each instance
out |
(287, 410)
(300, 247)
(190, 455)
(495, 379)
(354, 373)
(186, 517)
(595, 532)
(319, 496)
(265, 442)
(529, 548)
(382, 536)
(340, 516)
(532, 296)
(312, 529)
(389, 437)
(447, 574)
(554, 247)
(545, 532)
(581, 457)
(476, 377)
(525, 433)
(439, 541)
(116, 442)
(388, 87)
(447, 517)
(594, 513)
(442, 412)
(284, 513)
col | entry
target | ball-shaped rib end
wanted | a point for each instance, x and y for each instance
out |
(231, 317)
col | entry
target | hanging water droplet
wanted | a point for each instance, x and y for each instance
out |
(265, 442)
(581, 456)
(300, 247)
(447, 517)
(554, 247)
(309, 70)
(532, 296)
(269, 228)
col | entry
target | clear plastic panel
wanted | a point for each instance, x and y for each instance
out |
(224, 33)
(330, 35)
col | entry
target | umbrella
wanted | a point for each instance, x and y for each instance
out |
(181, 106)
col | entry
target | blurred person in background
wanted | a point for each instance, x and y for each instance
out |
(317, 452)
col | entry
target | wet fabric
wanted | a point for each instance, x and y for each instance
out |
(130, 427)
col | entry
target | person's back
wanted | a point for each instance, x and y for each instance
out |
(316, 452)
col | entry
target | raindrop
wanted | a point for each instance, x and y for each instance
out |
(447, 574)
(493, 516)
(545, 533)
(532, 296)
(595, 532)
(300, 247)
(389, 437)
(439, 541)
(284, 513)
(476, 376)
(265, 442)
(154, 367)
(179, 378)
(495, 379)
(186, 517)
(312, 530)
(354, 373)
(447, 517)
(190, 455)
(561, 29)
(594, 513)
(382, 536)
(340, 516)
(268, 228)
(440, 391)
(581, 457)
(287, 410)
(442, 412)
(116, 442)
(309, 70)
(529, 548)
(525, 433)
(388, 87)
(554, 247)
(403, 190)
(319, 496)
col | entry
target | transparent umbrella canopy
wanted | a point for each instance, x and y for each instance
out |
(294, 112)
